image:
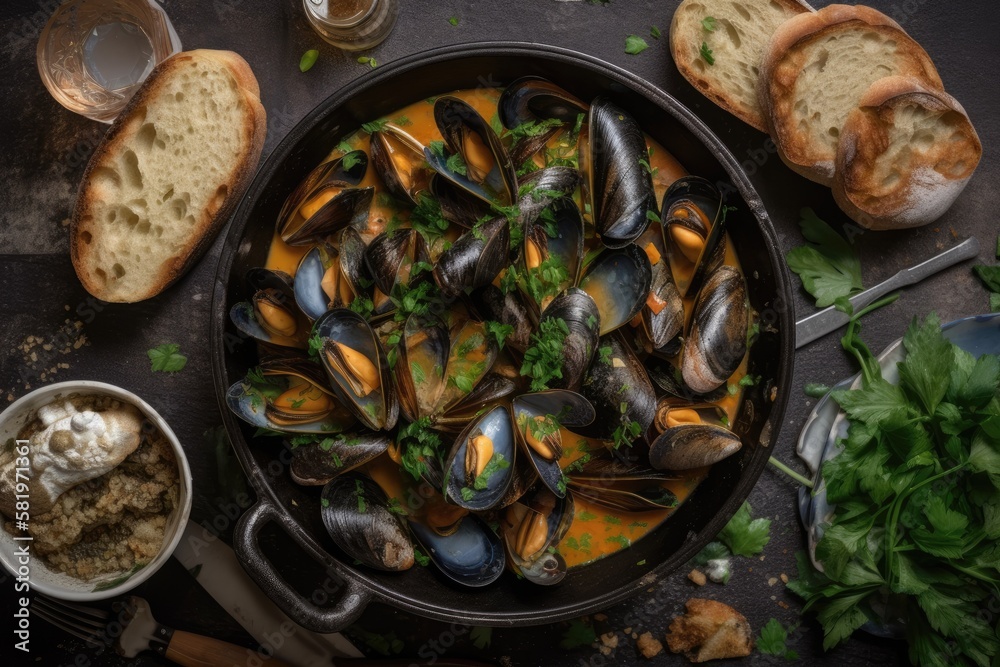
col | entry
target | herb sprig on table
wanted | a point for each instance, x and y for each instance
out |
(829, 265)
(917, 496)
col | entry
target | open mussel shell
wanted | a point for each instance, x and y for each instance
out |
(490, 391)
(458, 205)
(532, 98)
(270, 315)
(692, 446)
(507, 309)
(355, 362)
(668, 378)
(583, 321)
(328, 200)
(663, 312)
(716, 343)
(422, 358)
(693, 231)
(621, 187)
(356, 514)
(471, 554)
(489, 172)
(541, 187)
(475, 259)
(554, 241)
(316, 463)
(540, 421)
(626, 496)
(481, 464)
(329, 276)
(617, 386)
(317, 412)
(531, 529)
(399, 160)
(671, 412)
(618, 281)
(390, 258)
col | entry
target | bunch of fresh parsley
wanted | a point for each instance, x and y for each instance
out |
(917, 495)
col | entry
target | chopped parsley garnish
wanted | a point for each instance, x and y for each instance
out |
(708, 23)
(375, 125)
(166, 358)
(706, 54)
(453, 20)
(421, 558)
(437, 147)
(344, 147)
(816, 390)
(403, 121)
(654, 32)
(417, 373)
(499, 331)
(546, 279)
(396, 507)
(773, 640)
(605, 352)
(579, 632)
(509, 281)
(612, 519)
(496, 464)
(362, 305)
(366, 60)
(456, 165)
(586, 516)
(359, 490)
(308, 59)
(481, 636)
(427, 218)
(635, 45)
(418, 444)
(626, 432)
(531, 128)
(577, 465)
(544, 358)
(620, 540)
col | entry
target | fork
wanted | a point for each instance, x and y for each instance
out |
(139, 632)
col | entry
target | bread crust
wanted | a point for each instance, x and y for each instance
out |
(678, 46)
(775, 86)
(117, 139)
(914, 199)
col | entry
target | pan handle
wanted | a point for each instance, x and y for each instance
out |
(351, 598)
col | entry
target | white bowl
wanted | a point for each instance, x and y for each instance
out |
(61, 585)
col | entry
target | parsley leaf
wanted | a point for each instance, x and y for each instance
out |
(166, 358)
(772, 640)
(308, 59)
(481, 636)
(635, 45)
(368, 61)
(543, 360)
(454, 21)
(829, 267)
(745, 536)
(579, 633)
(499, 331)
(708, 23)
(654, 32)
(706, 53)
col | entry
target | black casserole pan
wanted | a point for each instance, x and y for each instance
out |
(295, 509)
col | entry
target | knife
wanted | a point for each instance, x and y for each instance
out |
(217, 570)
(830, 319)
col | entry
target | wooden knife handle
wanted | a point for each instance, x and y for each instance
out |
(191, 650)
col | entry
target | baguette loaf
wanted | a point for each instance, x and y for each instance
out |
(905, 154)
(815, 70)
(167, 175)
(742, 30)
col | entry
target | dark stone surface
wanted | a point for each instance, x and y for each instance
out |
(45, 149)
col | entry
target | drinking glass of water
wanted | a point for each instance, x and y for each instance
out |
(93, 54)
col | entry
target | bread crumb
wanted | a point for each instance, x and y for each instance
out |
(610, 639)
(600, 617)
(628, 630)
(710, 630)
(772, 581)
(784, 578)
(698, 577)
(648, 646)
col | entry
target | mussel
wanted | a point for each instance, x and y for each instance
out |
(391, 256)
(717, 341)
(470, 553)
(508, 309)
(532, 98)
(399, 161)
(482, 166)
(316, 463)
(689, 446)
(693, 223)
(531, 530)
(619, 282)
(356, 364)
(328, 200)
(480, 466)
(552, 252)
(330, 275)
(663, 312)
(271, 316)
(582, 322)
(474, 259)
(620, 183)
(541, 422)
(617, 386)
(356, 515)
(288, 396)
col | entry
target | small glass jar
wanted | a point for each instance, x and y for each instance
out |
(94, 54)
(353, 25)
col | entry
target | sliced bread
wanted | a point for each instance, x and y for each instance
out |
(815, 70)
(905, 154)
(167, 175)
(740, 31)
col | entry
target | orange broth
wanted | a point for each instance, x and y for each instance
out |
(596, 531)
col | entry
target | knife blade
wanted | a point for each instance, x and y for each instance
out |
(225, 580)
(830, 319)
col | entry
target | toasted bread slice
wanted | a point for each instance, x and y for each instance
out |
(815, 70)
(742, 30)
(167, 175)
(905, 154)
